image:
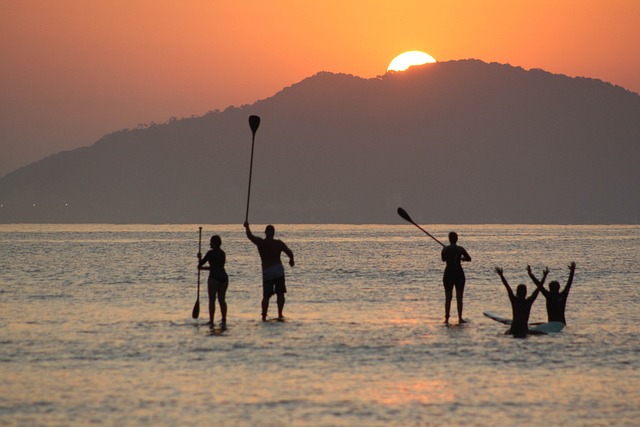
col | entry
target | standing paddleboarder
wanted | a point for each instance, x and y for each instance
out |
(218, 278)
(453, 276)
(273, 281)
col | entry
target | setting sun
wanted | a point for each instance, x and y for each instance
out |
(409, 59)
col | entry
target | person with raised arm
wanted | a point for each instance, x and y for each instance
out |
(273, 277)
(520, 305)
(556, 300)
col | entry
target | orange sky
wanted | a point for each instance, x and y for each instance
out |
(73, 70)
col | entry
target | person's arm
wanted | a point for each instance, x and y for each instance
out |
(250, 235)
(500, 272)
(572, 270)
(539, 283)
(203, 261)
(289, 253)
(444, 258)
(465, 255)
(533, 296)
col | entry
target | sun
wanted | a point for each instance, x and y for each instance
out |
(409, 59)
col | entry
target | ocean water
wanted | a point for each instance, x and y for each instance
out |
(96, 329)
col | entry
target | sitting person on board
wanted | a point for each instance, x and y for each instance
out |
(556, 300)
(520, 306)
(218, 278)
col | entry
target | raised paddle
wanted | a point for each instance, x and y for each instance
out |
(196, 307)
(406, 217)
(254, 123)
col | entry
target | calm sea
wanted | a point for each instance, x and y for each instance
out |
(96, 328)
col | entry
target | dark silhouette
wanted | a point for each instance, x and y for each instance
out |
(273, 280)
(218, 278)
(556, 300)
(453, 276)
(323, 125)
(520, 305)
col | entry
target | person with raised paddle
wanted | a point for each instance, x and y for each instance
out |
(273, 277)
(453, 275)
(218, 281)
(556, 300)
(520, 305)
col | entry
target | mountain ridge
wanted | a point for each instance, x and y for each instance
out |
(459, 141)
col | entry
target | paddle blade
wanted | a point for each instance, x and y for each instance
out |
(404, 215)
(196, 310)
(254, 123)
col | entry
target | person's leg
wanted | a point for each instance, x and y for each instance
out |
(281, 289)
(222, 292)
(212, 300)
(281, 301)
(267, 291)
(448, 296)
(459, 296)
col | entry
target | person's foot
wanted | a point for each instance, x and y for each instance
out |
(264, 317)
(211, 324)
(461, 321)
(446, 320)
(280, 318)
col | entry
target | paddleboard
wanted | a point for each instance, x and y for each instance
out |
(548, 328)
(545, 328)
(497, 317)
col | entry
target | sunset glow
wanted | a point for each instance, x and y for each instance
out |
(75, 70)
(409, 59)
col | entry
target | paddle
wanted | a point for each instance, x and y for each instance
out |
(196, 307)
(406, 217)
(254, 123)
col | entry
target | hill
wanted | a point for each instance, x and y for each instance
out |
(454, 142)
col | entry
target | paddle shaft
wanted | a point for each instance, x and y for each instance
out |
(254, 123)
(253, 138)
(196, 307)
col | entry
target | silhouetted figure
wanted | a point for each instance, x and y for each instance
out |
(273, 280)
(556, 300)
(218, 278)
(453, 276)
(520, 305)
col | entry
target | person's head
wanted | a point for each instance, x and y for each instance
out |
(453, 237)
(269, 231)
(216, 241)
(554, 287)
(521, 291)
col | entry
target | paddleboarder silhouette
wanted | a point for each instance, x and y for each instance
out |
(453, 276)
(273, 277)
(218, 281)
(520, 305)
(556, 300)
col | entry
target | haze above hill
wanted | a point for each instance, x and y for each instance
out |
(452, 142)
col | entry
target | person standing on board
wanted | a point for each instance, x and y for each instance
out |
(273, 281)
(556, 300)
(520, 305)
(453, 276)
(218, 278)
